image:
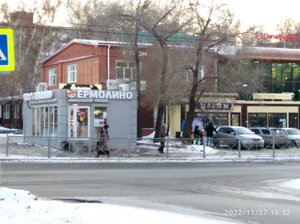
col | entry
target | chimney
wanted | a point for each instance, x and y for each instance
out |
(21, 18)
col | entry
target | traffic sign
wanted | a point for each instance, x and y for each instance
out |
(7, 54)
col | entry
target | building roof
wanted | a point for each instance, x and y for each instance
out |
(271, 54)
(90, 43)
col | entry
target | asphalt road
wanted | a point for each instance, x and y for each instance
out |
(247, 192)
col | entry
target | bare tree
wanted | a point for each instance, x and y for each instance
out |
(212, 26)
(244, 77)
(96, 19)
(32, 40)
(162, 25)
(131, 20)
(289, 27)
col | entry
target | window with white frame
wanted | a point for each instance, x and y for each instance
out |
(72, 73)
(126, 70)
(201, 72)
(6, 112)
(17, 112)
(189, 74)
(52, 77)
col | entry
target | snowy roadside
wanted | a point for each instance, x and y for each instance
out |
(145, 159)
(21, 207)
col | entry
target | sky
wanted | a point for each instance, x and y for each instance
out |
(249, 12)
(266, 13)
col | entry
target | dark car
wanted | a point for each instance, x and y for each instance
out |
(272, 135)
(230, 136)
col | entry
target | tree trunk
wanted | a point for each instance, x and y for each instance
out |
(190, 115)
(158, 123)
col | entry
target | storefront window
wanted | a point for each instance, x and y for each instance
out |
(100, 116)
(44, 121)
(53, 121)
(277, 120)
(235, 119)
(285, 77)
(79, 122)
(218, 119)
(293, 120)
(257, 120)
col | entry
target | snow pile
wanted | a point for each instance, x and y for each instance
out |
(292, 184)
(21, 207)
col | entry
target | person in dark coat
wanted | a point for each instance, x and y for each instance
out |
(210, 129)
(196, 134)
(102, 148)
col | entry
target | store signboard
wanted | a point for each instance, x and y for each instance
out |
(273, 96)
(214, 106)
(281, 37)
(99, 94)
(38, 95)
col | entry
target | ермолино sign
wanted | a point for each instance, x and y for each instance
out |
(7, 55)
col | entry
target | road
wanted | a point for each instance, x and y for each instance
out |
(247, 192)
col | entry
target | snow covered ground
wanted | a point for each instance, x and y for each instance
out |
(21, 207)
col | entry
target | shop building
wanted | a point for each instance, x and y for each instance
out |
(73, 116)
(265, 110)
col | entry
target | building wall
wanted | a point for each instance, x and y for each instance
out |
(92, 63)
(175, 119)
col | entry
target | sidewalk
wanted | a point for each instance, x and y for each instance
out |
(157, 159)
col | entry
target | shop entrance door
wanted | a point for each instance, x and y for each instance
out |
(79, 122)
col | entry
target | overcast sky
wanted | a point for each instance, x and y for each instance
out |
(249, 12)
(262, 12)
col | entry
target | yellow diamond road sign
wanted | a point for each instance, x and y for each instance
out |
(7, 54)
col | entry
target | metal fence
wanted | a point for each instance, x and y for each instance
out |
(174, 148)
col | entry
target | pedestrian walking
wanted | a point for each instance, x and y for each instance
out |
(210, 129)
(102, 134)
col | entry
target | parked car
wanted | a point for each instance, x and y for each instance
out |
(231, 135)
(293, 135)
(270, 135)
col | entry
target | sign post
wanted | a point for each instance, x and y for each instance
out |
(7, 54)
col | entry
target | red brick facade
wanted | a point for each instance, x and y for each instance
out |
(95, 62)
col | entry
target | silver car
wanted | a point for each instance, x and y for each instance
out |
(293, 135)
(232, 135)
(272, 135)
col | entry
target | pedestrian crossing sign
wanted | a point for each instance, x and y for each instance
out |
(7, 54)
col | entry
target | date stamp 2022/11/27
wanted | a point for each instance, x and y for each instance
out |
(257, 212)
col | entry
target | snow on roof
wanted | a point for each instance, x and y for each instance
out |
(266, 53)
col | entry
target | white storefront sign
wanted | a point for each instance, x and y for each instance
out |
(96, 94)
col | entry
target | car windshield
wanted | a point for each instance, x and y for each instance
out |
(293, 131)
(240, 130)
